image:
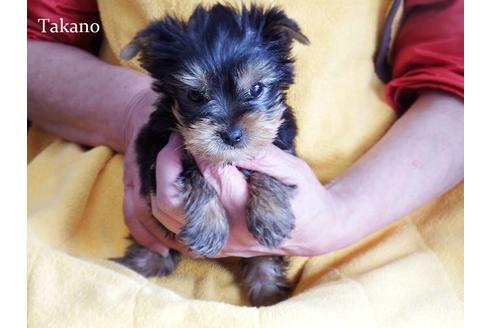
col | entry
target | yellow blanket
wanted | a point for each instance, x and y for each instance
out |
(408, 275)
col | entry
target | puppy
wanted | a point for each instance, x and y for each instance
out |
(222, 78)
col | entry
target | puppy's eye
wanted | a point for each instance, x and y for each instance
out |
(256, 90)
(196, 96)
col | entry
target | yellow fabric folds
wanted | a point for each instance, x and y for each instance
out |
(408, 275)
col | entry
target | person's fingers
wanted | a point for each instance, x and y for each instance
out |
(144, 228)
(150, 233)
(233, 192)
(141, 234)
(250, 249)
(229, 183)
(172, 224)
(156, 229)
(168, 169)
(276, 163)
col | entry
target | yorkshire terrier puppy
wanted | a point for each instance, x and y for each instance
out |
(222, 78)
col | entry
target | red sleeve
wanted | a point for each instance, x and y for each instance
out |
(72, 11)
(428, 51)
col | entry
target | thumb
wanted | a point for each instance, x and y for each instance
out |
(228, 182)
(276, 163)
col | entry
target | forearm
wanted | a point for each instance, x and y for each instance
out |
(83, 99)
(418, 159)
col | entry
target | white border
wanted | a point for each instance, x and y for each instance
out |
(13, 179)
(478, 167)
(478, 164)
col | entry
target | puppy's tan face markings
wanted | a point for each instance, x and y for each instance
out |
(193, 76)
(230, 105)
(254, 72)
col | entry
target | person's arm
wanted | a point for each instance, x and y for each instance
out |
(420, 158)
(81, 98)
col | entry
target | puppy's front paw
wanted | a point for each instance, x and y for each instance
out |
(207, 230)
(269, 215)
(207, 233)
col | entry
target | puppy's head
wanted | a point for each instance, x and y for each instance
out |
(227, 71)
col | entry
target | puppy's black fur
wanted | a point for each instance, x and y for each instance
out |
(222, 78)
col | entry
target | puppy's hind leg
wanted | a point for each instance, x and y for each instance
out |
(147, 262)
(263, 279)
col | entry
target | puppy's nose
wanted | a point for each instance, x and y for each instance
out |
(232, 136)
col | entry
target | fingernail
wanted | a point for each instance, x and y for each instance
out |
(162, 250)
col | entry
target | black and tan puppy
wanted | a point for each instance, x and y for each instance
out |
(222, 78)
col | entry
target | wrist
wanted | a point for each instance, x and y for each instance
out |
(340, 230)
(360, 213)
(349, 226)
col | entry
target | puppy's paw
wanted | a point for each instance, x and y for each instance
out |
(269, 228)
(264, 280)
(207, 230)
(269, 216)
(147, 262)
(206, 239)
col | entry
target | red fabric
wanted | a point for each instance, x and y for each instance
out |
(72, 11)
(428, 51)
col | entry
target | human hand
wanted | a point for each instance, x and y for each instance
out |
(319, 226)
(139, 216)
(386, 183)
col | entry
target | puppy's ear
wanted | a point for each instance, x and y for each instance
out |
(129, 51)
(159, 44)
(279, 27)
